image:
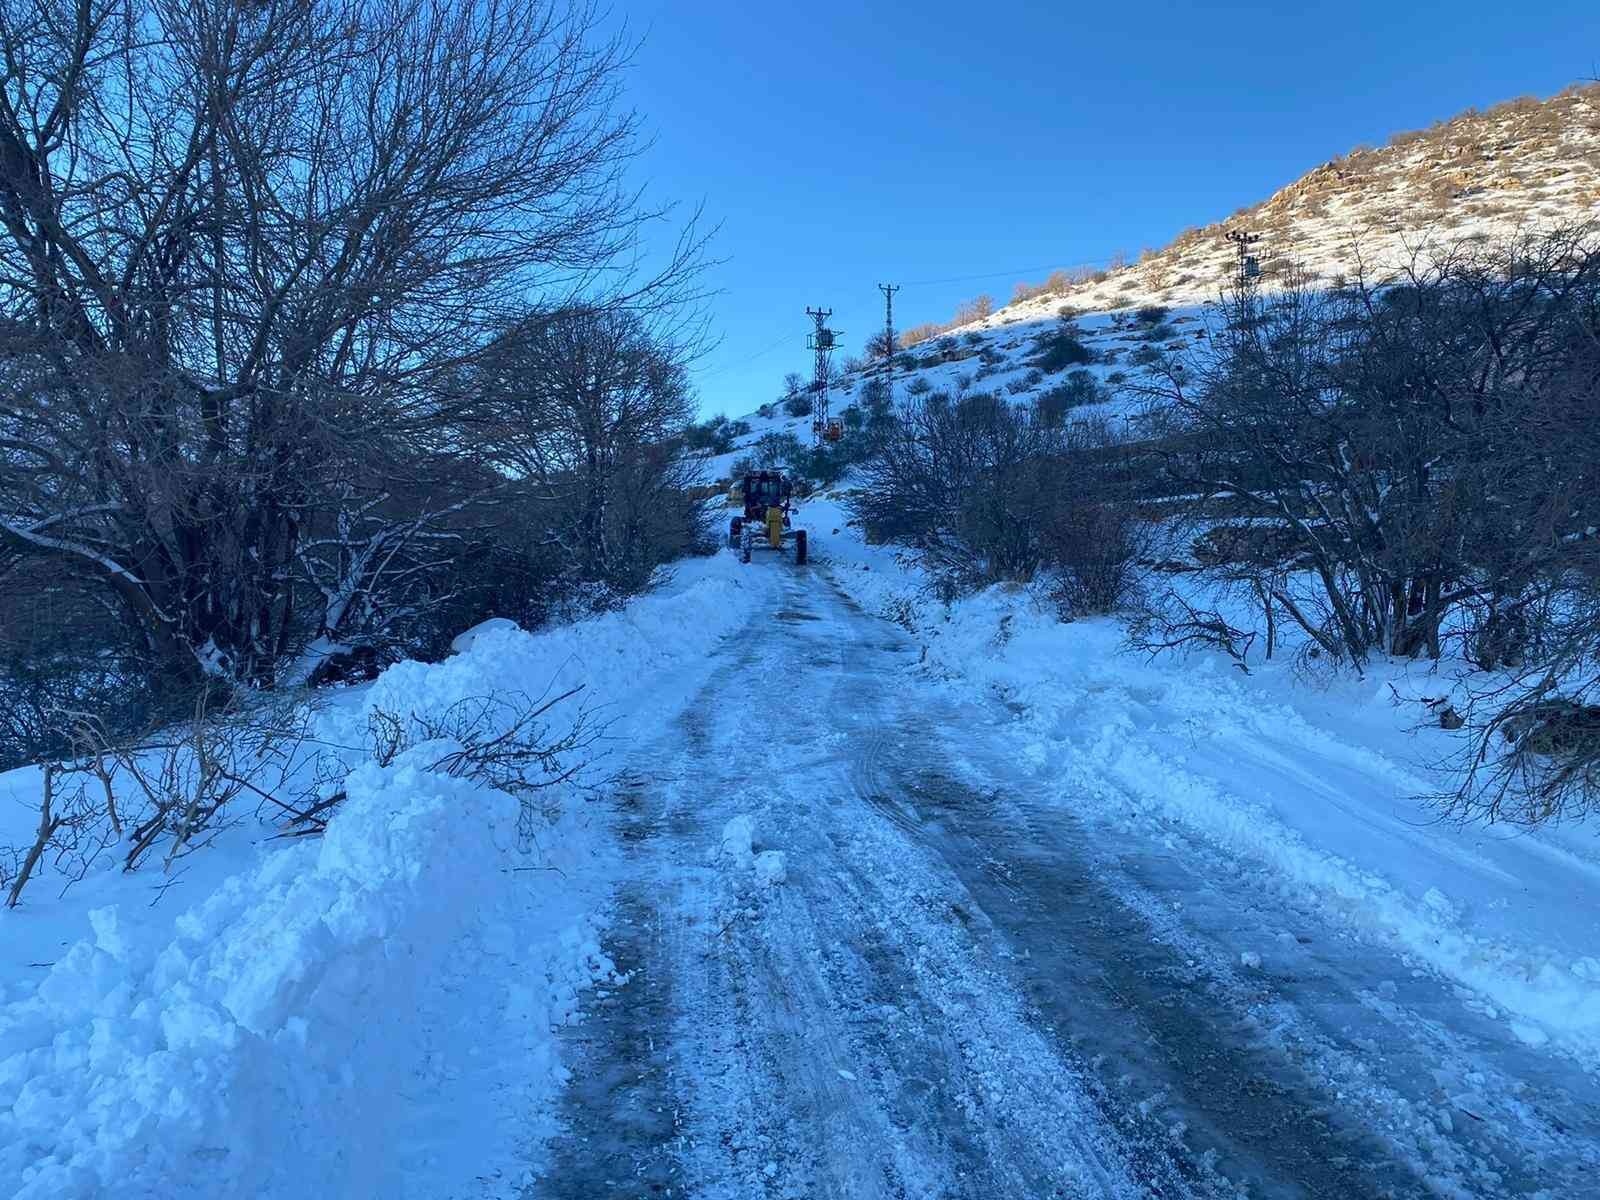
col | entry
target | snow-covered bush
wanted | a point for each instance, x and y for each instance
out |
(1058, 350)
(1079, 389)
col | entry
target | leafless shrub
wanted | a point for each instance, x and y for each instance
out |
(1535, 757)
(1167, 622)
(1058, 283)
(964, 481)
(984, 491)
(902, 610)
(1391, 465)
(1363, 433)
(975, 309)
(50, 820)
(506, 741)
(1094, 550)
(180, 785)
(966, 313)
(170, 790)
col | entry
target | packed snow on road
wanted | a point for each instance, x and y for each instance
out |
(969, 902)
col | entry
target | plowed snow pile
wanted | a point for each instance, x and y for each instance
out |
(367, 1014)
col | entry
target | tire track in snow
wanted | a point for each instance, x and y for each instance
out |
(1371, 1039)
(842, 1035)
(950, 996)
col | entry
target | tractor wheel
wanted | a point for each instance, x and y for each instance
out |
(733, 531)
(800, 548)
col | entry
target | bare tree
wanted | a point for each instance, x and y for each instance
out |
(985, 490)
(883, 344)
(1380, 441)
(590, 406)
(1396, 462)
(246, 252)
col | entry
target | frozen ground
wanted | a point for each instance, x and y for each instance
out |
(1325, 781)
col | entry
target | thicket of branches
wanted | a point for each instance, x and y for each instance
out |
(1391, 467)
(161, 793)
(320, 337)
(986, 491)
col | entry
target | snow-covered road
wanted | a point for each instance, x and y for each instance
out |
(959, 988)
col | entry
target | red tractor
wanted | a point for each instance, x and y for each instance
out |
(767, 523)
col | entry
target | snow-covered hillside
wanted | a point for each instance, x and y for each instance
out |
(1525, 164)
(1520, 167)
(1024, 361)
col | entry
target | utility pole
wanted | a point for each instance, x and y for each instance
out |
(1249, 272)
(1248, 268)
(888, 290)
(822, 340)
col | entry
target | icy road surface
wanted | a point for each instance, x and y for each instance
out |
(950, 987)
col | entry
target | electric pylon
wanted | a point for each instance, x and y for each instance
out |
(822, 340)
(888, 290)
(1248, 267)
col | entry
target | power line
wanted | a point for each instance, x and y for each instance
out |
(975, 278)
(749, 358)
(1088, 262)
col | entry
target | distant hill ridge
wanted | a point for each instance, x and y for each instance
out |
(1522, 165)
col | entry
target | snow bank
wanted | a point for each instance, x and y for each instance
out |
(612, 657)
(228, 1062)
(368, 1014)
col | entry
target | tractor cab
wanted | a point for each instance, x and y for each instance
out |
(764, 490)
(768, 505)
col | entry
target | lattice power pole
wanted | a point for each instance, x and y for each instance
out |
(1244, 302)
(888, 290)
(822, 340)
(1248, 267)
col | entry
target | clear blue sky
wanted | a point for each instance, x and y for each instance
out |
(844, 145)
